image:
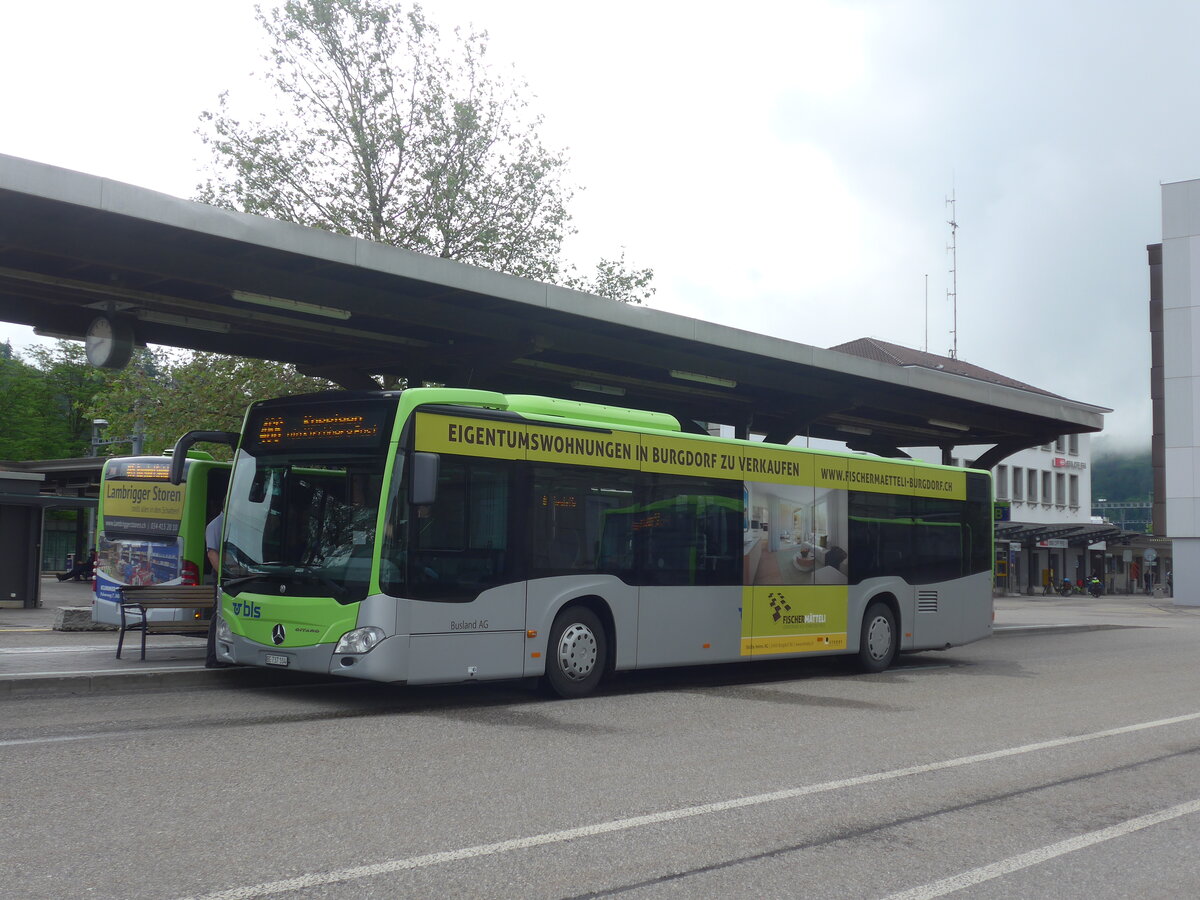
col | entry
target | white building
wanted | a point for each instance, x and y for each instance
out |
(1181, 382)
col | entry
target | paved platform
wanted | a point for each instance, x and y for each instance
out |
(34, 658)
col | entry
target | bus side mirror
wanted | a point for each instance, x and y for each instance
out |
(423, 479)
(179, 454)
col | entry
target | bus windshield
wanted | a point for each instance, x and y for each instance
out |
(303, 504)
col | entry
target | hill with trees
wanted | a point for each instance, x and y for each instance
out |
(1122, 477)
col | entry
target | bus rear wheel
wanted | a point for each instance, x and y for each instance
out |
(577, 653)
(877, 645)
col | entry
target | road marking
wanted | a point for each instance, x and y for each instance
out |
(1043, 854)
(89, 648)
(17, 676)
(354, 873)
(62, 739)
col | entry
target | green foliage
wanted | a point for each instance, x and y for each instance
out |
(172, 393)
(388, 131)
(1123, 477)
(45, 402)
(615, 280)
(48, 401)
(29, 431)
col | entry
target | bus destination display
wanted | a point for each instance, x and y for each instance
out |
(321, 426)
(140, 469)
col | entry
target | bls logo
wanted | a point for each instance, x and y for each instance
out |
(247, 610)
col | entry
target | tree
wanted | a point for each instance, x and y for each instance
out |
(31, 429)
(165, 395)
(387, 131)
(1123, 476)
(615, 280)
(45, 401)
(70, 384)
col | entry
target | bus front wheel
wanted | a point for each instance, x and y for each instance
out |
(576, 653)
(877, 644)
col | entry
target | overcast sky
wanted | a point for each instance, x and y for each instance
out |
(783, 167)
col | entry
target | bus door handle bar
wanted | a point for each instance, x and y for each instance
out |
(185, 443)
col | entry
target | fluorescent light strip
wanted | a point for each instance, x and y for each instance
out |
(953, 426)
(598, 388)
(313, 309)
(703, 379)
(149, 315)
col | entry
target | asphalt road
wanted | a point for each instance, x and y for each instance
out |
(1055, 764)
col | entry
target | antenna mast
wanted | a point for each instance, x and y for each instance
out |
(953, 292)
(926, 312)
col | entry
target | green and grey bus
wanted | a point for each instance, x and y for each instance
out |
(446, 535)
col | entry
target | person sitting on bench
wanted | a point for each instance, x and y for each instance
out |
(81, 568)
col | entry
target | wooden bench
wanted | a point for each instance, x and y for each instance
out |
(138, 600)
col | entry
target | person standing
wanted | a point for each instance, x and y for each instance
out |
(212, 549)
(212, 543)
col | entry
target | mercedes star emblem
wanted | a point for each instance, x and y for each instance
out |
(278, 634)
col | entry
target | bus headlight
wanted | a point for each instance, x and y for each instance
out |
(360, 640)
(223, 632)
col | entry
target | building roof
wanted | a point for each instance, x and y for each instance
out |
(896, 355)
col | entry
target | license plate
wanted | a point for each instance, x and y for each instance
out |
(276, 659)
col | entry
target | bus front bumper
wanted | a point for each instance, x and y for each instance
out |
(386, 661)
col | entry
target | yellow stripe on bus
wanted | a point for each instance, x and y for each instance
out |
(663, 454)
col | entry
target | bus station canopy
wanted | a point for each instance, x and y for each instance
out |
(58, 482)
(75, 246)
(1074, 535)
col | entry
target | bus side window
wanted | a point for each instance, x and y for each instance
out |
(691, 531)
(457, 546)
(881, 535)
(217, 488)
(581, 520)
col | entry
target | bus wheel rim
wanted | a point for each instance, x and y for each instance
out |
(879, 638)
(577, 652)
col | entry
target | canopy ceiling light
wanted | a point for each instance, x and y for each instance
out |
(598, 388)
(703, 379)
(197, 324)
(953, 426)
(313, 309)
